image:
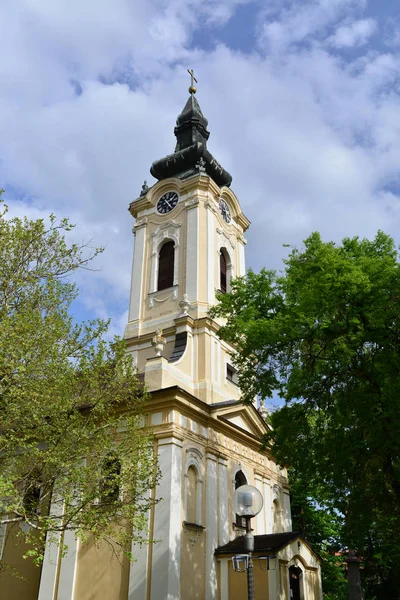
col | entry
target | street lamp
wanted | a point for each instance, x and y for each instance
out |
(247, 503)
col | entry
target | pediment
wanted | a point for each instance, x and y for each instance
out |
(241, 417)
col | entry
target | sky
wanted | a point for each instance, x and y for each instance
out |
(302, 99)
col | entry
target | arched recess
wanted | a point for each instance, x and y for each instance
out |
(277, 509)
(170, 232)
(193, 487)
(225, 270)
(240, 479)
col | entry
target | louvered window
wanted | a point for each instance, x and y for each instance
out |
(222, 266)
(166, 266)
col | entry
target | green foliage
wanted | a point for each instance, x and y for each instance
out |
(325, 334)
(321, 526)
(68, 401)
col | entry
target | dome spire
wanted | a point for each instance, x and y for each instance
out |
(191, 146)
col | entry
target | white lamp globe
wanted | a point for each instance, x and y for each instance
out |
(247, 501)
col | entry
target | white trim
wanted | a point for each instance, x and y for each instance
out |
(210, 256)
(166, 560)
(242, 262)
(287, 515)
(260, 521)
(137, 282)
(52, 555)
(192, 252)
(3, 535)
(168, 231)
(223, 504)
(68, 568)
(138, 571)
(224, 578)
(212, 526)
(267, 506)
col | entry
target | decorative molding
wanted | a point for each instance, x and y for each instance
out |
(210, 204)
(168, 231)
(192, 203)
(223, 234)
(193, 531)
(140, 223)
(172, 294)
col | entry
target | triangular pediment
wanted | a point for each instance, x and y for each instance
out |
(241, 417)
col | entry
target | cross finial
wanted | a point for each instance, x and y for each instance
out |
(192, 89)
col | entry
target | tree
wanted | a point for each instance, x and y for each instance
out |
(325, 335)
(73, 451)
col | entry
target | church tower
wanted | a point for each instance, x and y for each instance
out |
(189, 242)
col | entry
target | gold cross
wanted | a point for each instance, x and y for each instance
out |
(193, 79)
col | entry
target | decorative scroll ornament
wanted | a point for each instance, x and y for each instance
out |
(158, 342)
(185, 304)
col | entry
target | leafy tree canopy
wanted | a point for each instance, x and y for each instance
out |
(73, 452)
(325, 336)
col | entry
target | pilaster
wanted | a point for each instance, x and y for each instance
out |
(166, 560)
(212, 526)
(137, 281)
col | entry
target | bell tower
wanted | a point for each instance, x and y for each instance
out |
(189, 242)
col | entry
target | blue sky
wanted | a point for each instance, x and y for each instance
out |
(302, 99)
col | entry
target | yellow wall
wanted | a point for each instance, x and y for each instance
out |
(102, 572)
(237, 582)
(20, 580)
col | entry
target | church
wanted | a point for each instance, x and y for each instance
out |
(189, 241)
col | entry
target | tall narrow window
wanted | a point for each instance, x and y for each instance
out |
(223, 270)
(166, 266)
(240, 479)
(191, 515)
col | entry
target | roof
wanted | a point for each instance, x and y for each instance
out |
(191, 155)
(272, 542)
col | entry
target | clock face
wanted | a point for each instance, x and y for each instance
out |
(225, 212)
(167, 202)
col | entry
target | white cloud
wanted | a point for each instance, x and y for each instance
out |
(294, 22)
(311, 140)
(354, 34)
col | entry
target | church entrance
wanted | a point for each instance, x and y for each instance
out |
(295, 575)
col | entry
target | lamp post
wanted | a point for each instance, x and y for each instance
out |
(247, 503)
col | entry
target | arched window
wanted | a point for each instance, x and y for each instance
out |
(191, 511)
(240, 479)
(110, 480)
(223, 264)
(166, 266)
